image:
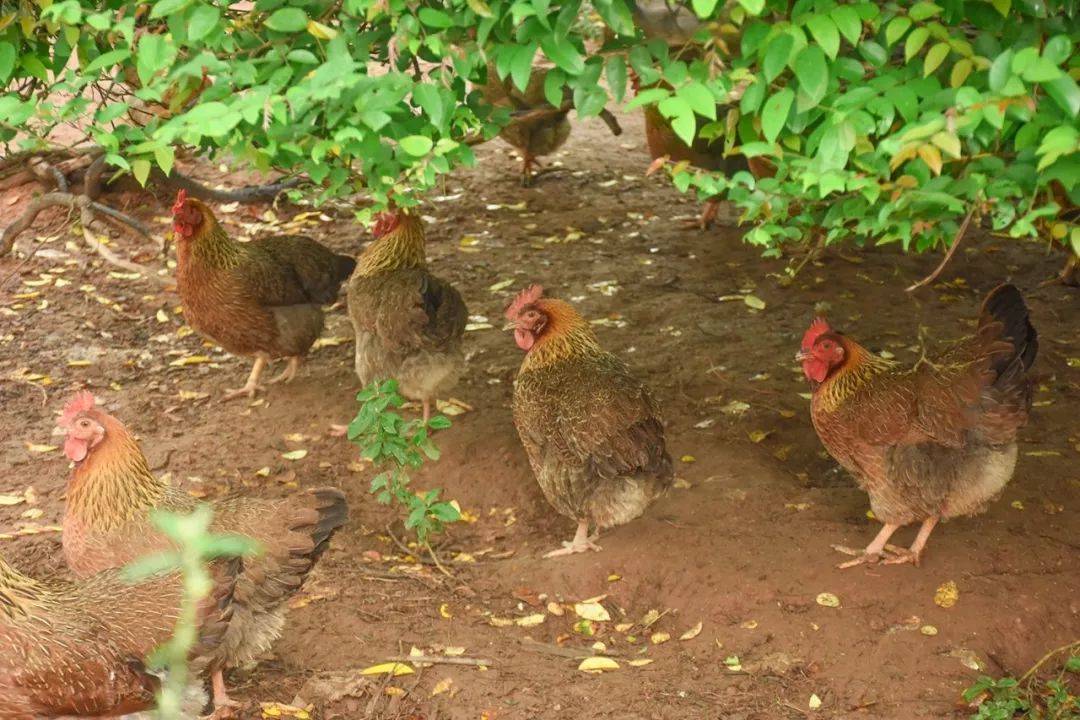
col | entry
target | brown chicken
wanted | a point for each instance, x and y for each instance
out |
(77, 649)
(930, 442)
(536, 127)
(591, 429)
(261, 299)
(106, 524)
(408, 323)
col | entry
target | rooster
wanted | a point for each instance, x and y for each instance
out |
(591, 429)
(261, 299)
(106, 524)
(930, 442)
(409, 324)
(76, 649)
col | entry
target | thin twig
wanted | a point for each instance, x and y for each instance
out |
(247, 194)
(948, 256)
(572, 653)
(439, 660)
(1069, 646)
(435, 558)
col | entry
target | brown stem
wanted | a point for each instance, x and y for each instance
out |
(948, 256)
(248, 194)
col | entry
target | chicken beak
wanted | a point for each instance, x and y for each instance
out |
(801, 356)
(510, 325)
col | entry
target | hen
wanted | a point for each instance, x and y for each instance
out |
(409, 323)
(77, 649)
(537, 128)
(591, 429)
(106, 524)
(930, 442)
(261, 299)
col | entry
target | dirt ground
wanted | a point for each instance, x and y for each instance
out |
(740, 550)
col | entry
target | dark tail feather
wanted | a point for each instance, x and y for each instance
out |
(1005, 305)
(333, 512)
(343, 267)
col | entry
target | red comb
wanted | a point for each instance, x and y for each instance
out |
(526, 297)
(817, 328)
(82, 401)
(384, 223)
(181, 199)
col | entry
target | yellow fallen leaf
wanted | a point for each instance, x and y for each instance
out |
(614, 578)
(946, 595)
(40, 448)
(444, 611)
(1017, 505)
(733, 663)
(753, 301)
(453, 651)
(500, 622)
(659, 638)
(473, 327)
(501, 285)
(161, 316)
(929, 630)
(749, 625)
(555, 608)
(442, 686)
(692, 632)
(79, 363)
(531, 620)
(11, 499)
(641, 662)
(688, 459)
(190, 360)
(392, 669)
(1042, 453)
(591, 611)
(623, 627)
(597, 664)
(393, 691)
(757, 436)
(797, 507)
(815, 701)
(828, 600)
(294, 454)
(263, 472)
(870, 514)
(787, 413)
(330, 342)
(32, 513)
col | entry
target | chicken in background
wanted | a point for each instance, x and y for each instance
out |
(591, 429)
(107, 524)
(409, 323)
(930, 442)
(260, 299)
(537, 128)
(76, 649)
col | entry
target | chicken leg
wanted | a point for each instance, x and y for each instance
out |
(581, 542)
(914, 554)
(252, 384)
(873, 551)
(224, 707)
(286, 375)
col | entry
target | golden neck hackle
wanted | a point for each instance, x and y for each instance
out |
(400, 249)
(211, 245)
(114, 483)
(18, 593)
(567, 335)
(859, 367)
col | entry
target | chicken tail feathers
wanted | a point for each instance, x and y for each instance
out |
(343, 268)
(333, 512)
(1005, 316)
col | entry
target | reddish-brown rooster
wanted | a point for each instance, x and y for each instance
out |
(77, 649)
(930, 442)
(409, 323)
(261, 299)
(591, 429)
(106, 524)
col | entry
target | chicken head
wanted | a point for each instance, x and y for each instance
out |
(525, 318)
(821, 351)
(84, 431)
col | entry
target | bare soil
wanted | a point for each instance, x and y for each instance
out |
(741, 547)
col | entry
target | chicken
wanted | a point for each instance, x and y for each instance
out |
(106, 524)
(261, 299)
(536, 127)
(591, 429)
(408, 323)
(930, 442)
(76, 649)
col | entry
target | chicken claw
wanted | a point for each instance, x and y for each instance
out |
(288, 373)
(581, 542)
(224, 707)
(252, 385)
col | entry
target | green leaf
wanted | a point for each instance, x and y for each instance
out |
(824, 31)
(915, 42)
(168, 7)
(615, 71)
(934, 58)
(752, 98)
(682, 118)
(108, 59)
(1057, 49)
(703, 8)
(416, 145)
(812, 72)
(521, 67)
(304, 57)
(203, 19)
(1041, 70)
(33, 65)
(960, 72)
(435, 18)
(427, 97)
(1074, 240)
(1000, 71)
(155, 54)
(1065, 93)
(777, 54)
(699, 98)
(563, 54)
(7, 61)
(165, 157)
(896, 29)
(754, 7)
(480, 7)
(287, 20)
(847, 22)
(923, 10)
(775, 113)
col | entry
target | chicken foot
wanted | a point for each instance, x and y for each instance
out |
(286, 375)
(224, 707)
(913, 554)
(581, 542)
(876, 550)
(252, 384)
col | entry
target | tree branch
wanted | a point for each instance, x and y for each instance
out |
(248, 194)
(948, 256)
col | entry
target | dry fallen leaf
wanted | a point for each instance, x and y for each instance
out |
(946, 595)
(692, 632)
(442, 686)
(749, 625)
(294, 454)
(263, 472)
(40, 448)
(828, 600)
(753, 301)
(591, 611)
(659, 638)
(641, 662)
(11, 499)
(597, 664)
(391, 668)
(815, 701)
(444, 611)
(531, 620)
(929, 630)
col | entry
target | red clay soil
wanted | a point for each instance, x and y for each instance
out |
(741, 549)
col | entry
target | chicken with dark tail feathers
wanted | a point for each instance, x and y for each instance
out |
(930, 442)
(260, 299)
(76, 649)
(409, 323)
(591, 429)
(106, 524)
